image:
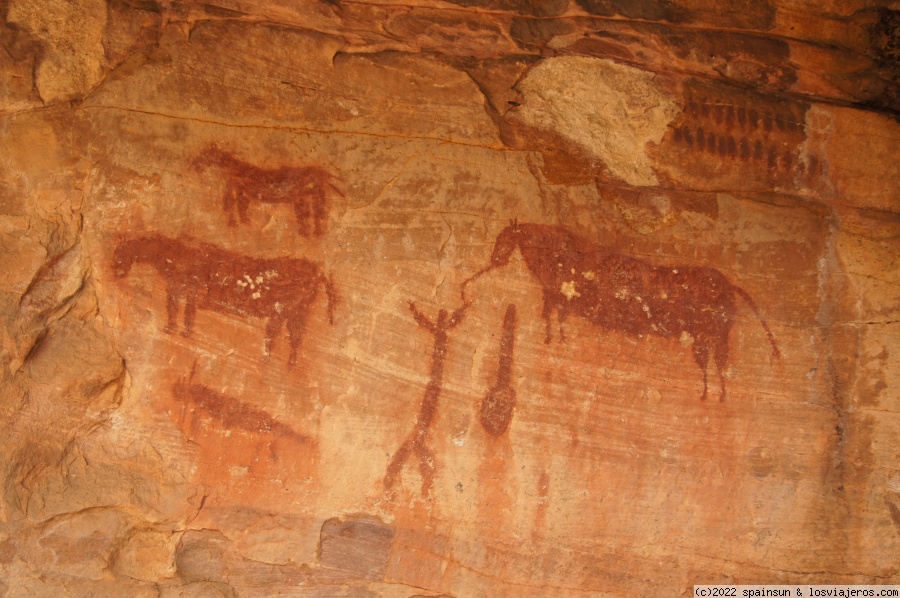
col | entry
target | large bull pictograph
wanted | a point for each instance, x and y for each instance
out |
(625, 294)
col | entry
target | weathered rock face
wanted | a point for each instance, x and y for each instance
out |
(478, 298)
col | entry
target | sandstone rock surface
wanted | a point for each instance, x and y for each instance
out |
(466, 298)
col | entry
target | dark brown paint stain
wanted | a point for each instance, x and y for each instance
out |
(203, 276)
(625, 294)
(304, 187)
(416, 442)
(743, 128)
(497, 406)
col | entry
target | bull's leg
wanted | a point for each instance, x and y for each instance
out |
(172, 301)
(190, 313)
(562, 312)
(296, 325)
(547, 312)
(721, 357)
(243, 203)
(701, 356)
(273, 329)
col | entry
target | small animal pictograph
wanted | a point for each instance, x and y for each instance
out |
(199, 275)
(416, 442)
(199, 402)
(497, 407)
(624, 294)
(304, 187)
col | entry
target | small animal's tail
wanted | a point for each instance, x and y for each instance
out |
(749, 301)
(331, 294)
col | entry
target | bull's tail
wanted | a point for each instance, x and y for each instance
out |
(335, 188)
(331, 296)
(749, 300)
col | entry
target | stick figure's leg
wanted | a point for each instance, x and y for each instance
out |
(426, 469)
(396, 465)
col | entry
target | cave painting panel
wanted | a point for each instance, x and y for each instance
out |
(304, 187)
(416, 442)
(202, 276)
(625, 294)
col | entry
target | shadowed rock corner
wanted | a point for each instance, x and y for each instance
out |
(359, 546)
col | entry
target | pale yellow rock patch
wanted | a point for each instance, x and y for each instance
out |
(609, 109)
(73, 34)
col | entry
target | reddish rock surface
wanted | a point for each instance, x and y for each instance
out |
(469, 298)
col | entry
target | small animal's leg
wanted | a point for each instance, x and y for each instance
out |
(721, 357)
(296, 324)
(273, 329)
(172, 301)
(308, 213)
(190, 313)
(546, 313)
(300, 211)
(228, 201)
(701, 356)
(319, 210)
(396, 464)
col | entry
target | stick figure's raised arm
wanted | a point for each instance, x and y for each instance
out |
(421, 320)
(457, 316)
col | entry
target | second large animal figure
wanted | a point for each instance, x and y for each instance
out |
(625, 294)
(200, 275)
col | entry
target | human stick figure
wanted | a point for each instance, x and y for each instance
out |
(416, 441)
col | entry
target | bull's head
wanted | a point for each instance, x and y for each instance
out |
(506, 243)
